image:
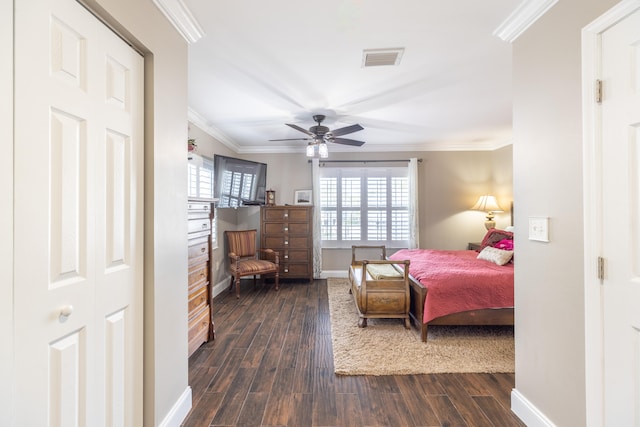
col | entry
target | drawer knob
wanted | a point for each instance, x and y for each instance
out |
(203, 250)
(286, 257)
(286, 229)
(65, 312)
(286, 242)
(204, 226)
(286, 215)
(286, 270)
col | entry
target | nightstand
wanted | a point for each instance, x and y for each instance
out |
(474, 246)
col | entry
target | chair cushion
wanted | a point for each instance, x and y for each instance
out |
(253, 266)
(242, 243)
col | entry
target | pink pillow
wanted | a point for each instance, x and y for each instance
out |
(504, 244)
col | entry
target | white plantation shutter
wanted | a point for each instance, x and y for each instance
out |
(364, 205)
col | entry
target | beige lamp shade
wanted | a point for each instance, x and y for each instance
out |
(488, 204)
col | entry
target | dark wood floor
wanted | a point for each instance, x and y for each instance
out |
(271, 364)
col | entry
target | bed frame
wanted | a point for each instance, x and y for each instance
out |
(490, 316)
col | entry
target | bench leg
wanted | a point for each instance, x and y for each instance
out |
(362, 322)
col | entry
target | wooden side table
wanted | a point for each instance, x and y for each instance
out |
(474, 246)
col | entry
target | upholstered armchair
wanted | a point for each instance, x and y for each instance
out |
(244, 259)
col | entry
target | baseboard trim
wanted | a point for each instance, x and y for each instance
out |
(179, 411)
(527, 411)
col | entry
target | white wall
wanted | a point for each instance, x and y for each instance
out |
(547, 165)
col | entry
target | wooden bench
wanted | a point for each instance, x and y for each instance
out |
(380, 287)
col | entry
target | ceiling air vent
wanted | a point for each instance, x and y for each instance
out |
(376, 57)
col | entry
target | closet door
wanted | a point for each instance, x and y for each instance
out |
(78, 219)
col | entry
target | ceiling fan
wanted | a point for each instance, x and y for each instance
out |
(319, 133)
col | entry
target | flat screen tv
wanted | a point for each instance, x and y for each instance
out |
(238, 182)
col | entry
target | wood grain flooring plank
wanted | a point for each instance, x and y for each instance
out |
(301, 411)
(253, 409)
(234, 398)
(446, 411)
(324, 398)
(465, 405)
(266, 372)
(280, 399)
(227, 372)
(417, 401)
(202, 414)
(496, 413)
(349, 410)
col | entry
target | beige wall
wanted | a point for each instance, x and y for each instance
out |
(450, 183)
(547, 153)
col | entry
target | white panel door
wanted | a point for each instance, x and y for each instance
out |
(621, 221)
(78, 220)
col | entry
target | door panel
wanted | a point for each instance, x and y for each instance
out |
(78, 219)
(621, 221)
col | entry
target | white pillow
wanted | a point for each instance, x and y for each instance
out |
(495, 255)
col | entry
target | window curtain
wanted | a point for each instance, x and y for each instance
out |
(414, 226)
(317, 241)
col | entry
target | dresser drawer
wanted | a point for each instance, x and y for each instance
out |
(286, 228)
(198, 299)
(198, 252)
(197, 274)
(199, 225)
(196, 208)
(295, 255)
(284, 242)
(199, 329)
(294, 269)
(286, 213)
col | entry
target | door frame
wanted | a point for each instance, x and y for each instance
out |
(592, 208)
(6, 215)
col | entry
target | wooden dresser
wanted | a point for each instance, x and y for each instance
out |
(289, 230)
(200, 322)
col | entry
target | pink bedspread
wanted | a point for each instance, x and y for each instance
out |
(457, 281)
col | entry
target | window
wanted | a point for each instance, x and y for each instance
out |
(200, 182)
(364, 206)
(200, 185)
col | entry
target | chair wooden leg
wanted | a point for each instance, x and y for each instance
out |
(255, 283)
(277, 283)
(238, 287)
(231, 283)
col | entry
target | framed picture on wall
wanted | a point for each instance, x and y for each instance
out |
(303, 197)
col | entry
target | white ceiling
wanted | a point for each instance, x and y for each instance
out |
(261, 64)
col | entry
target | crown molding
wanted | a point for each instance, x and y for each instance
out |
(182, 19)
(522, 18)
(214, 132)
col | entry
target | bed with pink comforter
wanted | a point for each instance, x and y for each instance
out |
(458, 288)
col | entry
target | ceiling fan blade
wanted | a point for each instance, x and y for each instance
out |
(346, 130)
(293, 139)
(347, 141)
(296, 127)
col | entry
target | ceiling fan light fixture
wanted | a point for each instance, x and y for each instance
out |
(323, 150)
(311, 150)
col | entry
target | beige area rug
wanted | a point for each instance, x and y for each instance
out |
(385, 347)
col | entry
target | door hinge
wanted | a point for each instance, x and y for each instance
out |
(600, 268)
(598, 91)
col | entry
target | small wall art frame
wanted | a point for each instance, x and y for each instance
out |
(303, 197)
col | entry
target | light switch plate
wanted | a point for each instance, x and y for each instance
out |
(539, 228)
